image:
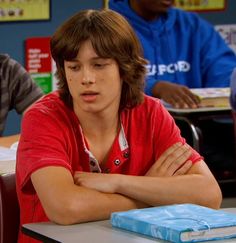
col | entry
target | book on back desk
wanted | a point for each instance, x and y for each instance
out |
(178, 223)
(213, 97)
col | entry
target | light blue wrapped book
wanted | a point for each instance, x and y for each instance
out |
(178, 223)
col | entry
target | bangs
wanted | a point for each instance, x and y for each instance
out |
(92, 29)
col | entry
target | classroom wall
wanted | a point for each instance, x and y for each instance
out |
(13, 34)
(222, 17)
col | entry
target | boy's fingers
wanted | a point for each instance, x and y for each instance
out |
(183, 169)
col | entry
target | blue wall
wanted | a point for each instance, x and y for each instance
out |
(222, 17)
(13, 34)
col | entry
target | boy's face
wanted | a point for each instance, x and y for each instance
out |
(94, 82)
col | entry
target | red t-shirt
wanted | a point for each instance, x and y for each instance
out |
(51, 136)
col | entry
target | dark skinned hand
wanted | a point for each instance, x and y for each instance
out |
(179, 96)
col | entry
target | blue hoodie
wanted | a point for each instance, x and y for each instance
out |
(181, 48)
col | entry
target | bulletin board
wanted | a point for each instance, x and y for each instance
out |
(24, 10)
(201, 5)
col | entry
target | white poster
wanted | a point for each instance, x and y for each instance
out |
(228, 32)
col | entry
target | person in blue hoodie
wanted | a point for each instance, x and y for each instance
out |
(183, 50)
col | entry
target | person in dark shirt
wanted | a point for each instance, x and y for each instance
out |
(17, 91)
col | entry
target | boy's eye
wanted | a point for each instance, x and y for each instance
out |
(74, 67)
(99, 64)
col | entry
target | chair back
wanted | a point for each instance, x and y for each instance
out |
(234, 121)
(9, 209)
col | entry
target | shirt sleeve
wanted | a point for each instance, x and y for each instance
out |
(43, 143)
(23, 90)
(149, 85)
(217, 58)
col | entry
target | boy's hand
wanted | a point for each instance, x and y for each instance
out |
(174, 161)
(98, 181)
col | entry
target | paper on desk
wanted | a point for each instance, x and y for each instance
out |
(7, 154)
(7, 166)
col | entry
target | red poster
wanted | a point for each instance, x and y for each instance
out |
(38, 57)
(39, 62)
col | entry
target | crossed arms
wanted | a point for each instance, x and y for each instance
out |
(94, 196)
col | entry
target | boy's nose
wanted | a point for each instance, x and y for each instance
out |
(87, 81)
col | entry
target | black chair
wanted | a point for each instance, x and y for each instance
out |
(234, 120)
(9, 209)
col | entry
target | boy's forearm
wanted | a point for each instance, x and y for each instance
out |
(156, 191)
(93, 205)
(197, 186)
(67, 203)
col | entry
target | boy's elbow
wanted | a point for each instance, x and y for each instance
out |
(67, 213)
(216, 199)
(213, 196)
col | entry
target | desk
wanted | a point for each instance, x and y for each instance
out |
(7, 159)
(193, 116)
(7, 167)
(7, 155)
(100, 231)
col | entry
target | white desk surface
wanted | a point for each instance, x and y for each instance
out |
(7, 157)
(100, 231)
(7, 167)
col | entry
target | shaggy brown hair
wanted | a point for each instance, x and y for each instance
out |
(111, 37)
